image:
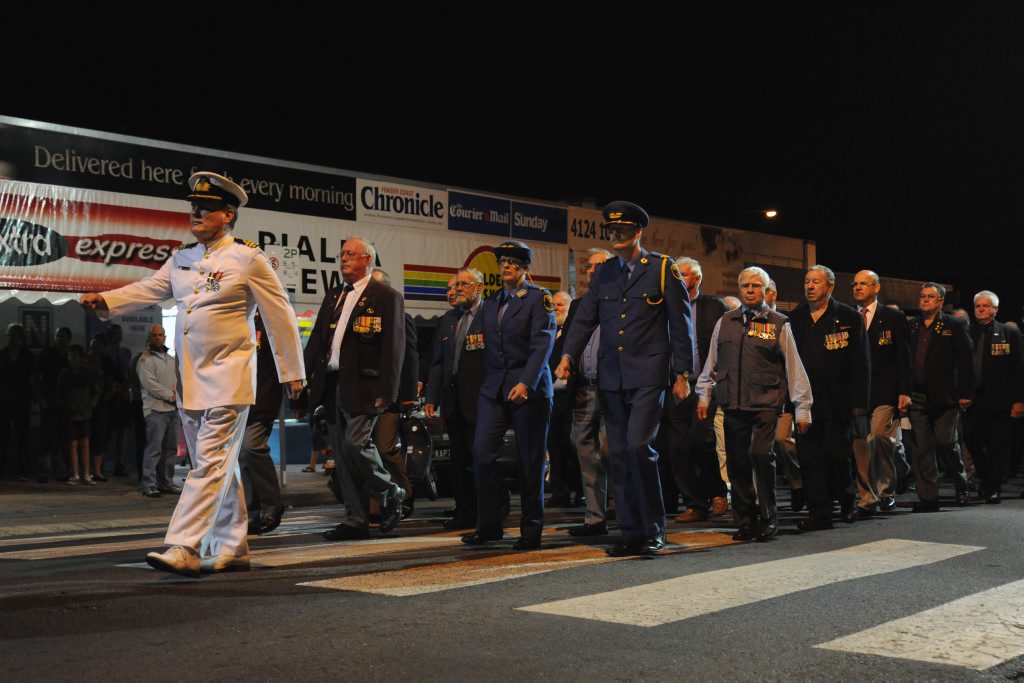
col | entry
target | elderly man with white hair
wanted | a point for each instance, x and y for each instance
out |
(999, 394)
(752, 363)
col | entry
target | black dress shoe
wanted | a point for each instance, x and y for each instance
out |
(767, 533)
(392, 513)
(347, 532)
(625, 548)
(599, 529)
(993, 498)
(887, 504)
(525, 543)
(458, 522)
(963, 498)
(270, 522)
(797, 500)
(651, 546)
(814, 524)
(926, 506)
(476, 538)
(744, 533)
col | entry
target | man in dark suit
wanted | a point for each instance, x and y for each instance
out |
(357, 344)
(876, 434)
(564, 477)
(691, 441)
(943, 374)
(385, 435)
(588, 432)
(518, 333)
(834, 351)
(638, 300)
(453, 387)
(999, 398)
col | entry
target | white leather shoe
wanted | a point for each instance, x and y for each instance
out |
(176, 560)
(224, 563)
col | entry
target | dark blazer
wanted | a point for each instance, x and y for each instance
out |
(709, 310)
(847, 369)
(408, 383)
(518, 348)
(645, 332)
(268, 387)
(370, 362)
(318, 348)
(949, 365)
(456, 392)
(891, 370)
(1002, 372)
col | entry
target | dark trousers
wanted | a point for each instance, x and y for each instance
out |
(696, 473)
(529, 420)
(16, 416)
(259, 479)
(750, 461)
(935, 436)
(390, 448)
(632, 417)
(564, 477)
(826, 457)
(460, 441)
(987, 435)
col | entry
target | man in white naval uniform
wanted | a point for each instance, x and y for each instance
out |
(217, 284)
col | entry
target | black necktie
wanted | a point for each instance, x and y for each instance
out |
(460, 338)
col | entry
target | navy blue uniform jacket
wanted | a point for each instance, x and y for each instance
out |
(516, 351)
(642, 343)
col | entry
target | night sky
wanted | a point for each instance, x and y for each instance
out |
(890, 136)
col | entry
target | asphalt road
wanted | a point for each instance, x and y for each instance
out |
(900, 597)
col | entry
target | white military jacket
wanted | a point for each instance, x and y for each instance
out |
(217, 291)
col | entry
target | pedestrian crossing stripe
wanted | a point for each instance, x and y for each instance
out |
(475, 571)
(977, 632)
(672, 600)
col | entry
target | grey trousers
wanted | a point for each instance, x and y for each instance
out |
(161, 448)
(259, 477)
(935, 436)
(359, 468)
(874, 447)
(592, 451)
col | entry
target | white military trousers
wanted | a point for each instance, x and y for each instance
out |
(210, 516)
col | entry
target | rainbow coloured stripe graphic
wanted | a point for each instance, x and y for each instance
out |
(427, 283)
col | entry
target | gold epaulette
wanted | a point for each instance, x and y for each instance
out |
(248, 243)
(185, 246)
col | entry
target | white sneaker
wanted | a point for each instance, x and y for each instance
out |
(74, 481)
(89, 481)
(224, 563)
(176, 560)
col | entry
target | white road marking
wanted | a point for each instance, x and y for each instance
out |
(664, 602)
(464, 569)
(978, 632)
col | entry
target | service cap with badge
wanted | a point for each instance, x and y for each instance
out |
(620, 215)
(514, 249)
(214, 191)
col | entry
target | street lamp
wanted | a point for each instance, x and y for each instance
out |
(768, 214)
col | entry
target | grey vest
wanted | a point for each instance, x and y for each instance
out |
(750, 371)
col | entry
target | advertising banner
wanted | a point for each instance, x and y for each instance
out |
(721, 252)
(538, 223)
(401, 205)
(103, 163)
(478, 213)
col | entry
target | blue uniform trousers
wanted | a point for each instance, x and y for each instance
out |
(529, 421)
(632, 417)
